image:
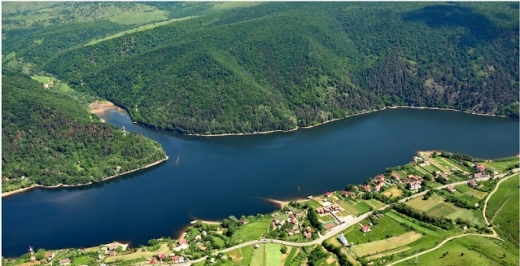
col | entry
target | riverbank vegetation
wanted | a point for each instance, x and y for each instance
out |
(389, 230)
(50, 139)
(278, 66)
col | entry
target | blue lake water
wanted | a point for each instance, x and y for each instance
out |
(216, 177)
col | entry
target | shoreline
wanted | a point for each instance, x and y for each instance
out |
(336, 119)
(10, 193)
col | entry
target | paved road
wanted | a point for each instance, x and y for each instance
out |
(356, 220)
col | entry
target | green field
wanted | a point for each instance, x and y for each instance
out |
(274, 255)
(252, 230)
(85, 260)
(314, 204)
(502, 166)
(355, 207)
(469, 250)
(386, 227)
(385, 244)
(242, 256)
(258, 256)
(502, 210)
(374, 203)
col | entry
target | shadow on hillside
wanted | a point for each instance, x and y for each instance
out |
(480, 28)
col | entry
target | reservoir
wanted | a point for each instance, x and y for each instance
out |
(214, 177)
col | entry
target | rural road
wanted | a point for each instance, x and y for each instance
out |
(494, 235)
(356, 220)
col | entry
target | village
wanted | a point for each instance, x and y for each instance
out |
(357, 219)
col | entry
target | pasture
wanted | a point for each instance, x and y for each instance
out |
(252, 230)
(386, 227)
(502, 210)
(375, 247)
(469, 250)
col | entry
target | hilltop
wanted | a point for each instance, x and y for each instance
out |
(278, 66)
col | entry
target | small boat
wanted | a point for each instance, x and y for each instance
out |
(309, 197)
(193, 222)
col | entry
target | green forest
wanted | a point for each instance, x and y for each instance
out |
(278, 66)
(49, 139)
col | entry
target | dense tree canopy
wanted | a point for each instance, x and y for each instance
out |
(276, 66)
(49, 139)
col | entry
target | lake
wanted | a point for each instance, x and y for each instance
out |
(215, 177)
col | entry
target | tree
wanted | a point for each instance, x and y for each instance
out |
(40, 254)
(283, 249)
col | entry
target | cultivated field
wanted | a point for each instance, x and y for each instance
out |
(386, 244)
(273, 254)
(258, 256)
(393, 192)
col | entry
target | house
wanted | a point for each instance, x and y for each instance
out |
(365, 228)
(112, 246)
(343, 240)
(175, 259)
(344, 193)
(414, 185)
(161, 256)
(477, 175)
(377, 188)
(299, 214)
(366, 187)
(479, 167)
(244, 221)
(273, 224)
(256, 246)
(396, 176)
(472, 183)
(64, 261)
(328, 194)
(49, 255)
(181, 259)
(183, 243)
(451, 189)
(112, 253)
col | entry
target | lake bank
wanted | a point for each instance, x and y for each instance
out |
(338, 119)
(220, 177)
(10, 193)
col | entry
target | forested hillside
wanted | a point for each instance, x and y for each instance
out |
(275, 66)
(48, 139)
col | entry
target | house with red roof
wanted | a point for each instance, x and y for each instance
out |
(112, 253)
(366, 187)
(49, 255)
(328, 194)
(175, 259)
(377, 188)
(479, 167)
(396, 176)
(65, 261)
(451, 189)
(477, 175)
(112, 246)
(472, 183)
(183, 243)
(365, 228)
